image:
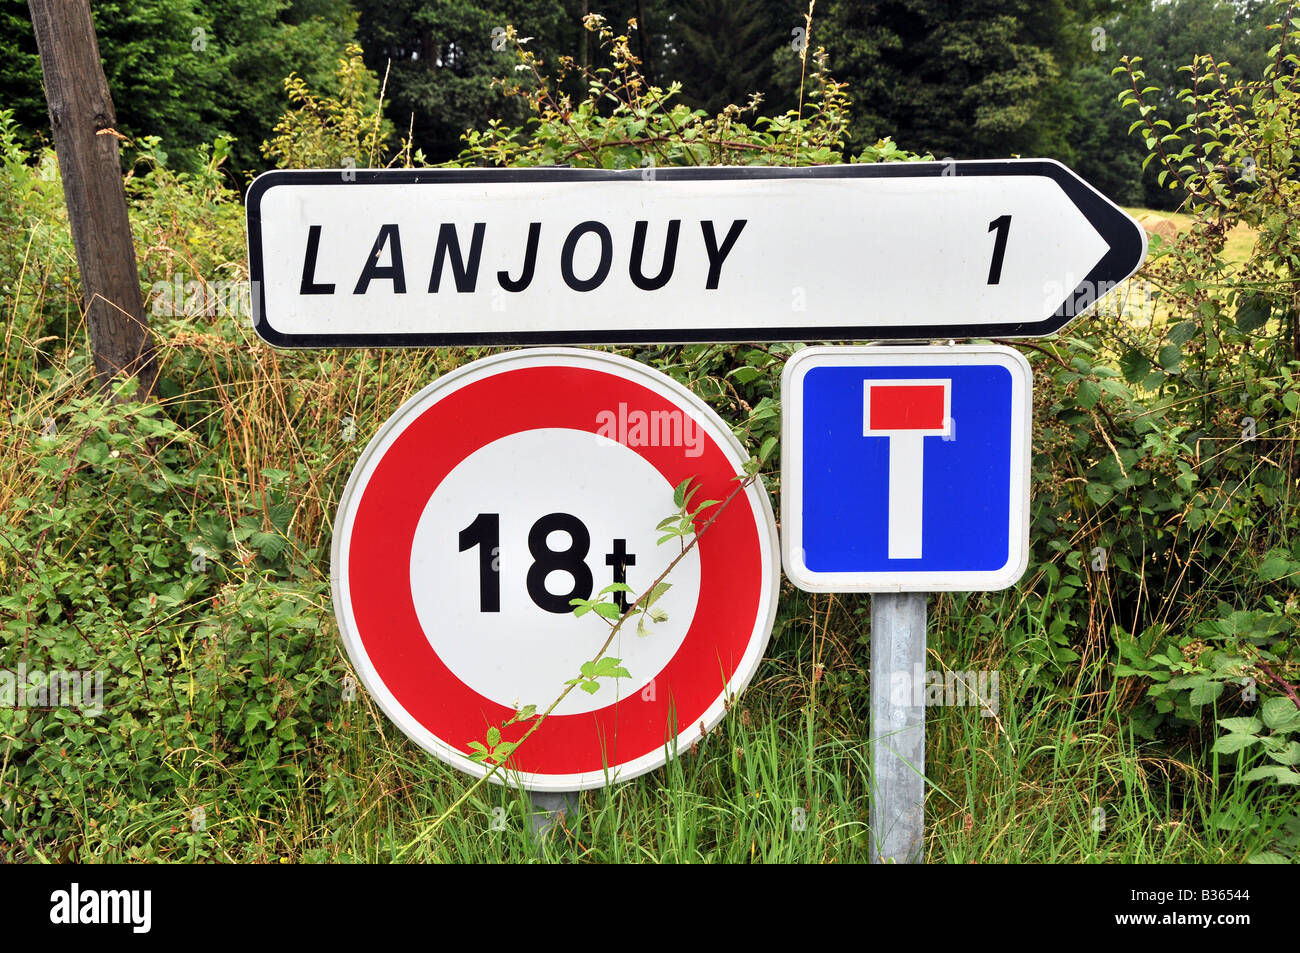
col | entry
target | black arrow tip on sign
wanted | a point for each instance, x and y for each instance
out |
(1126, 242)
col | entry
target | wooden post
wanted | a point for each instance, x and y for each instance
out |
(85, 140)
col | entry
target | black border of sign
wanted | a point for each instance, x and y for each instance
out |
(1125, 237)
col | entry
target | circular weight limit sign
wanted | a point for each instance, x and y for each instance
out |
(507, 488)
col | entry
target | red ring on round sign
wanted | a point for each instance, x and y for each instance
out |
(382, 530)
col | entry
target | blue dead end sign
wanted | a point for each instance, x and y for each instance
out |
(906, 469)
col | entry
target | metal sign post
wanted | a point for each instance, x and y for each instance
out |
(897, 727)
(550, 809)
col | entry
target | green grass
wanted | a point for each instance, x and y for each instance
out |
(785, 778)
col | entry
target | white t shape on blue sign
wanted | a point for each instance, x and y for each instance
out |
(878, 492)
(905, 412)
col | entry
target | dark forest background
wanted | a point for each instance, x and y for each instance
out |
(959, 78)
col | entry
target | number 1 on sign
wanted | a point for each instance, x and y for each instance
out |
(1002, 225)
(485, 532)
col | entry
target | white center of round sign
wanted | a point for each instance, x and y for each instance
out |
(524, 653)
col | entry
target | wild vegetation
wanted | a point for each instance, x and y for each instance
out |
(1148, 660)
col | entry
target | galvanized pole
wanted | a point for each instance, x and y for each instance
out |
(550, 808)
(897, 727)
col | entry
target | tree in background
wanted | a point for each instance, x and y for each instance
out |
(20, 67)
(158, 83)
(187, 71)
(441, 58)
(1170, 34)
(722, 50)
(1099, 147)
(960, 78)
(258, 44)
(1092, 134)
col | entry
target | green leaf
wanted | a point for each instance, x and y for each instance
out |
(1276, 772)
(1099, 493)
(95, 453)
(1230, 744)
(257, 715)
(1276, 565)
(269, 545)
(493, 736)
(1206, 692)
(657, 593)
(1170, 357)
(615, 587)
(1237, 725)
(590, 687)
(610, 667)
(1253, 313)
(1153, 380)
(1287, 754)
(679, 493)
(1281, 714)
(1135, 366)
(1088, 395)
(607, 610)
(1183, 332)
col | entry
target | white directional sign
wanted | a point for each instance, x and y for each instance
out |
(924, 250)
(504, 490)
(905, 469)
